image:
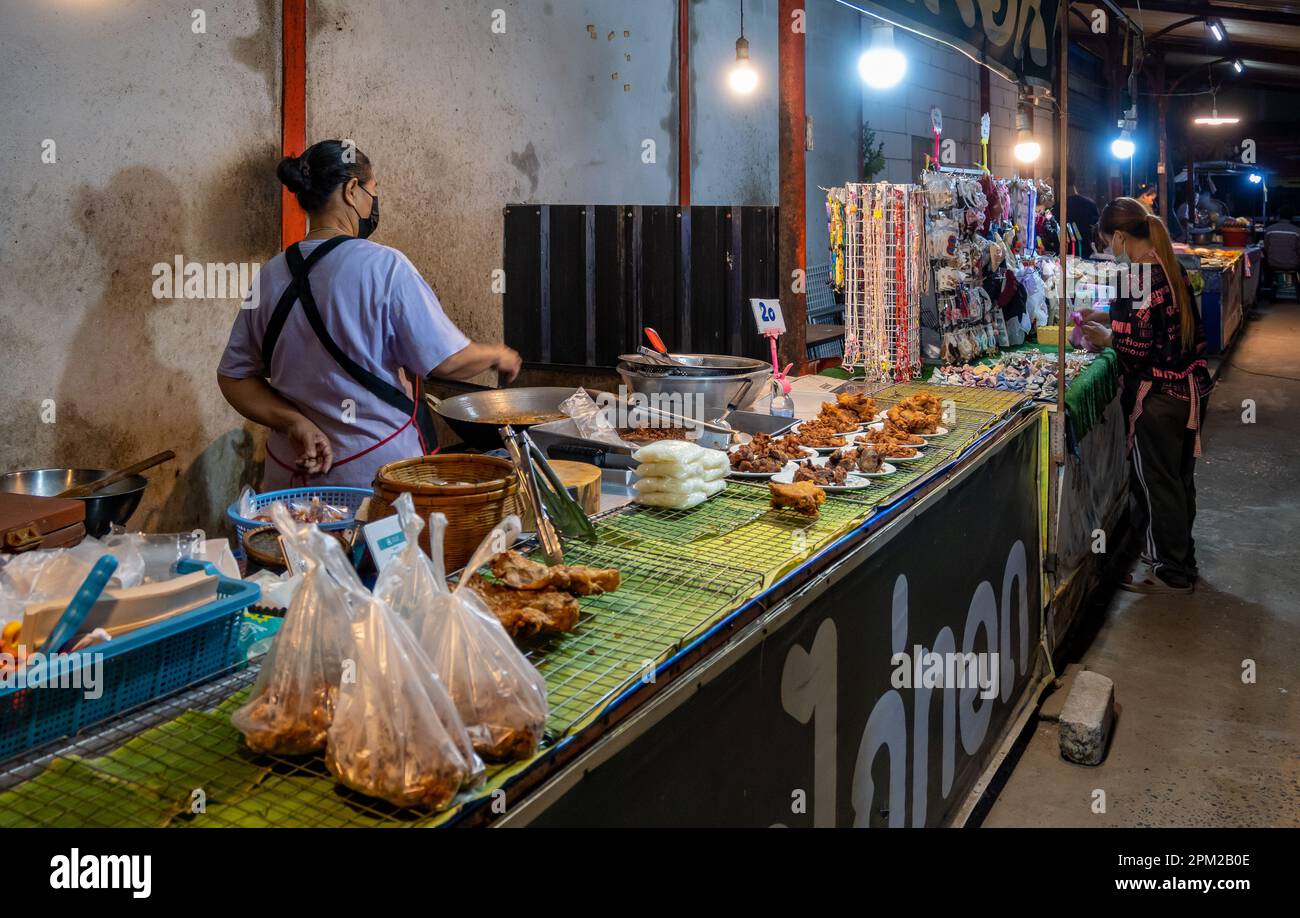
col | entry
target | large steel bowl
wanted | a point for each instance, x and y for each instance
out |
(705, 386)
(114, 504)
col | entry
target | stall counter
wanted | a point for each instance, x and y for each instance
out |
(795, 623)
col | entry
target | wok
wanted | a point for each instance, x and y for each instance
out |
(476, 416)
(114, 504)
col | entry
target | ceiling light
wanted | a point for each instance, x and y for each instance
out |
(1214, 119)
(1027, 149)
(1238, 66)
(743, 78)
(1216, 29)
(882, 66)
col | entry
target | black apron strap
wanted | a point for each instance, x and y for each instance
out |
(285, 304)
(380, 388)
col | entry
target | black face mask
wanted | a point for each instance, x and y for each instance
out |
(367, 225)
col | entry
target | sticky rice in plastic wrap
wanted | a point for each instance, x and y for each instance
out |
(500, 697)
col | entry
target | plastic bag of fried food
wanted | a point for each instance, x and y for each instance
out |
(396, 734)
(500, 697)
(292, 703)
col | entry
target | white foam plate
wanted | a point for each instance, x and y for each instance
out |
(885, 468)
(938, 431)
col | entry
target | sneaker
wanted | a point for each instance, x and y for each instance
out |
(1145, 580)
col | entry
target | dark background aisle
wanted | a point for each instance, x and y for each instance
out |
(1193, 745)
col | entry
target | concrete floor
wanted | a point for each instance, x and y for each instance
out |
(1193, 745)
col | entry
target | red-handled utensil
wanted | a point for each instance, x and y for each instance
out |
(655, 341)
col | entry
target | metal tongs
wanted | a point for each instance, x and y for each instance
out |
(552, 505)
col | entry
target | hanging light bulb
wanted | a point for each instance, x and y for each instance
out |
(743, 78)
(882, 66)
(1027, 149)
(1122, 147)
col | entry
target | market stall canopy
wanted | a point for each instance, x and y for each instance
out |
(1016, 42)
(1263, 34)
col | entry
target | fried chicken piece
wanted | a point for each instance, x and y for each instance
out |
(522, 573)
(863, 406)
(886, 444)
(763, 454)
(837, 418)
(802, 497)
(902, 436)
(818, 433)
(857, 459)
(822, 475)
(912, 420)
(528, 613)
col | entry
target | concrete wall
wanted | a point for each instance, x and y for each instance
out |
(167, 141)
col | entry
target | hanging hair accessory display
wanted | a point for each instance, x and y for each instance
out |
(886, 275)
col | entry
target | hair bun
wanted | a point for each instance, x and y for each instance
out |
(294, 173)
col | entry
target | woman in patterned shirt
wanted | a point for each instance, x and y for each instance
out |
(1157, 334)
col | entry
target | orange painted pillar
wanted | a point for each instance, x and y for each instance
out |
(293, 111)
(792, 243)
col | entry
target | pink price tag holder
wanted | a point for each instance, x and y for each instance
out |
(779, 375)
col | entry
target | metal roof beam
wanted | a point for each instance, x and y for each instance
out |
(1247, 14)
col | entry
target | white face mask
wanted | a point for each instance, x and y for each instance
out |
(1120, 255)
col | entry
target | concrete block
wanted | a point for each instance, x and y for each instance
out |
(1087, 718)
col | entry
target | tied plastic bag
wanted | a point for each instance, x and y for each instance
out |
(396, 734)
(500, 697)
(293, 701)
(244, 506)
(592, 421)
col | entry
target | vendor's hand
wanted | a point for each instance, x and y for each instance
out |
(508, 362)
(1097, 316)
(1097, 334)
(311, 447)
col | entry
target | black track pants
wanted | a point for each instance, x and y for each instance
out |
(1162, 487)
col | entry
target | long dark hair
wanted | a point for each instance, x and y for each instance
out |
(322, 167)
(1129, 215)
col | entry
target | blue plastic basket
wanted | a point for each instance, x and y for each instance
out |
(350, 498)
(138, 668)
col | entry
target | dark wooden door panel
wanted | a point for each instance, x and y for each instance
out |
(583, 280)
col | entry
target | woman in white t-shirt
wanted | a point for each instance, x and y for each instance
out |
(335, 374)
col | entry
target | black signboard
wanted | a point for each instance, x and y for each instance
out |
(825, 721)
(1013, 37)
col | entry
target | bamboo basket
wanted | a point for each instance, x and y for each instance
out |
(485, 492)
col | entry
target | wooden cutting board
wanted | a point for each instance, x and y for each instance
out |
(582, 479)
